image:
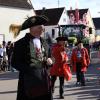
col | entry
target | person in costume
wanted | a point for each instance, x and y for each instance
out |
(30, 58)
(80, 61)
(60, 64)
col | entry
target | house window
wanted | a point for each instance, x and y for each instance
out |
(53, 33)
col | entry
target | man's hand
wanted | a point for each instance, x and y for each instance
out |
(49, 61)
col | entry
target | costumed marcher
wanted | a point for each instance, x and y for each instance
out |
(80, 61)
(5, 58)
(60, 64)
(30, 58)
(9, 49)
(1, 57)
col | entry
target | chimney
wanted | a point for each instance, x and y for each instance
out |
(70, 8)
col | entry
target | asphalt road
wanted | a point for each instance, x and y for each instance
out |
(89, 92)
(8, 86)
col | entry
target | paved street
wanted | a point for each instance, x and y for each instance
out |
(89, 92)
(8, 86)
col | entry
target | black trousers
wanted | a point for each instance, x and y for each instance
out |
(61, 80)
(22, 96)
(80, 74)
(45, 97)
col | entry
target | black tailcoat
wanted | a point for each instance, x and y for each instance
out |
(21, 60)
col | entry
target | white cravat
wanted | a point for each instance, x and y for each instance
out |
(37, 43)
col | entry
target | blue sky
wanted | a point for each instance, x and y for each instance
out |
(93, 5)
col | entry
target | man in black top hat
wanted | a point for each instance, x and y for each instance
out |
(30, 58)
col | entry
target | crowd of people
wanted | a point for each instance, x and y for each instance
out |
(5, 56)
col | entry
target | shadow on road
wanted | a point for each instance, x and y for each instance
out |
(88, 92)
(92, 88)
(8, 75)
(8, 92)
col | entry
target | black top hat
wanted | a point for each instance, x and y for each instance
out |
(61, 38)
(30, 22)
(34, 21)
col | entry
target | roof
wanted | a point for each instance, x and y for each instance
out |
(96, 22)
(16, 3)
(53, 14)
(74, 25)
(81, 12)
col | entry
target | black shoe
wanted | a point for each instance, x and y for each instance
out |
(83, 84)
(61, 97)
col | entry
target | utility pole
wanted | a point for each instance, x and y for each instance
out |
(76, 12)
(58, 3)
(58, 25)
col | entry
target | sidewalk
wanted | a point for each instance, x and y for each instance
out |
(95, 60)
(95, 57)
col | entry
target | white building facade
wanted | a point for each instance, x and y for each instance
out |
(57, 17)
(12, 15)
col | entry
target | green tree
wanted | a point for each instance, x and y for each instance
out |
(72, 40)
(85, 40)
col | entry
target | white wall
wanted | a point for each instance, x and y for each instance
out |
(97, 32)
(91, 24)
(97, 37)
(62, 21)
(10, 16)
(49, 30)
(64, 18)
